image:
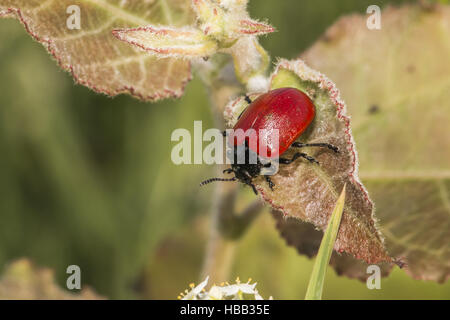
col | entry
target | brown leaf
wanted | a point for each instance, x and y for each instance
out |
(306, 239)
(21, 280)
(309, 191)
(93, 56)
(396, 83)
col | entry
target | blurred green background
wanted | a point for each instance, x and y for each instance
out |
(87, 180)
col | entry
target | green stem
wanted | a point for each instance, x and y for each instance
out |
(227, 226)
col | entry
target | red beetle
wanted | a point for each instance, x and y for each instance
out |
(289, 111)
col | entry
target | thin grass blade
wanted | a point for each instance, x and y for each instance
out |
(315, 286)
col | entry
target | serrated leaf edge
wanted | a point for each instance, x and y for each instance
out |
(167, 51)
(48, 44)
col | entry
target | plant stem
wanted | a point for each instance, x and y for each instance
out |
(220, 250)
(226, 226)
(222, 85)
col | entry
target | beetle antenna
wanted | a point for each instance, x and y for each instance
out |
(216, 179)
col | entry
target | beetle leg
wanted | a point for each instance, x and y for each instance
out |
(248, 181)
(322, 145)
(270, 182)
(224, 133)
(229, 170)
(253, 187)
(296, 156)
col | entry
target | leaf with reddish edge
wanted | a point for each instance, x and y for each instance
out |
(396, 83)
(93, 56)
(252, 27)
(305, 238)
(308, 191)
(181, 43)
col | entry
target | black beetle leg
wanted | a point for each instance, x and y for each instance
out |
(253, 187)
(249, 182)
(296, 156)
(321, 145)
(270, 182)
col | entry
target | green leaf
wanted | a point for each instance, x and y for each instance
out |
(396, 84)
(93, 56)
(315, 286)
